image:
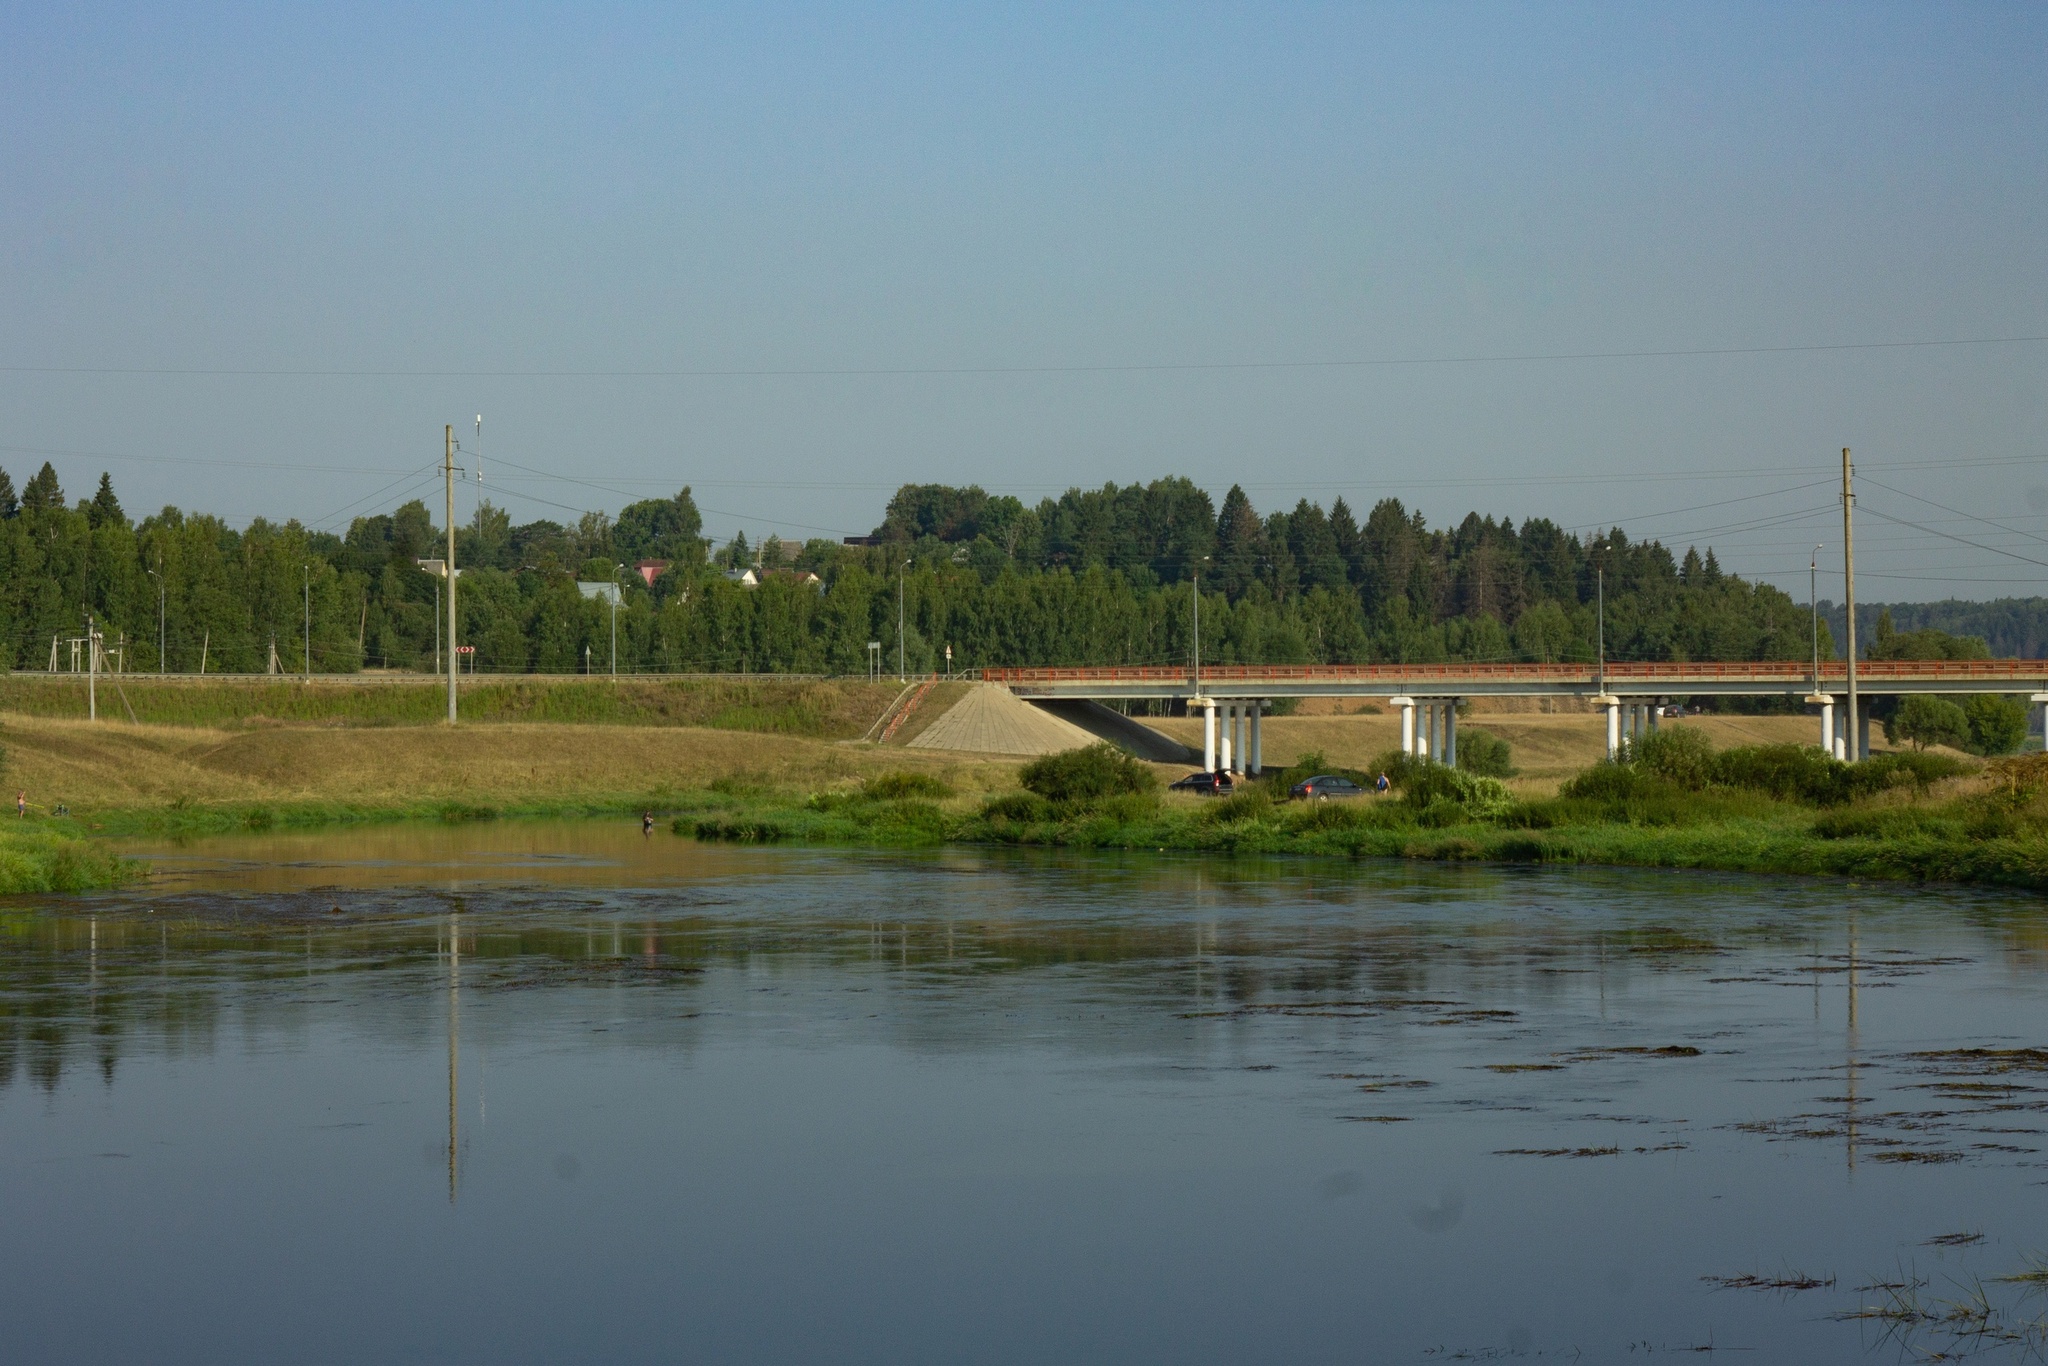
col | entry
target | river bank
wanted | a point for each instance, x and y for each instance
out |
(123, 780)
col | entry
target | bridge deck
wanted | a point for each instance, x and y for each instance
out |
(1768, 679)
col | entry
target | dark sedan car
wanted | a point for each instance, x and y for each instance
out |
(1326, 785)
(1217, 784)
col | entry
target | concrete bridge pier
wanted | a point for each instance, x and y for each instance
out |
(1208, 707)
(1612, 705)
(1826, 703)
(1450, 732)
(1407, 709)
(1226, 753)
(2038, 722)
(1254, 759)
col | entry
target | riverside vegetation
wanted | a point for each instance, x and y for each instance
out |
(1671, 801)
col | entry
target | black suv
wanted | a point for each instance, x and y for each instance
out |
(1217, 784)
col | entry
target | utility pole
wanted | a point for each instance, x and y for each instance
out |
(1849, 597)
(308, 570)
(1600, 618)
(448, 474)
(1196, 581)
(616, 590)
(901, 676)
(92, 670)
(1813, 599)
(158, 576)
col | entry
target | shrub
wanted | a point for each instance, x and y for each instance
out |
(1314, 817)
(1250, 804)
(1608, 781)
(1081, 775)
(1424, 785)
(1025, 807)
(1681, 755)
(1484, 753)
(1888, 822)
(1801, 773)
(1998, 725)
(1922, 721)
(741, 831)
(895, 786)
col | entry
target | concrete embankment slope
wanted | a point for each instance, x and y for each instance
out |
(1105, 723)
(990, 719)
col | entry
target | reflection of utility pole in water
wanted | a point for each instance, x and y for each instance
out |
(1849, 1126)
(454, 1042)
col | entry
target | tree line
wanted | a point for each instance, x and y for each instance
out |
(1095, 576)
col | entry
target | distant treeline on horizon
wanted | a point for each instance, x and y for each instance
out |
(1096, 576)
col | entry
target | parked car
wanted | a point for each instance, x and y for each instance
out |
(1217, 784)
(1325, 785)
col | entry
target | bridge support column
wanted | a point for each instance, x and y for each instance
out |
(1827, 720)
(1254, 764)
(1656, 713)
(1612, 706)
(1208, 735)
(1406, 705)
(1226, 758)
(2038, 721)
(1862, 734)
(1451, 731)
(1432, 731)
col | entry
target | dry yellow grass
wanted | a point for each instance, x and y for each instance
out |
(109, 765)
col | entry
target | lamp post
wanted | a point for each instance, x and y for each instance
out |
(159, 619)
(901, 675)
(309, 621)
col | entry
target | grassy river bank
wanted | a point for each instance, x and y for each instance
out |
(1772, 808)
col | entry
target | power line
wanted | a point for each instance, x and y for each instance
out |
(1136, 367)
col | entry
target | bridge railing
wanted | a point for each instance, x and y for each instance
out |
(1790, 672)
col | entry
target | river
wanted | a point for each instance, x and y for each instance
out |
(558, 1091)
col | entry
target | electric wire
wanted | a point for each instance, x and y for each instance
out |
(1145, 367)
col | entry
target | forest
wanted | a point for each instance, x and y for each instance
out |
(1105, 576)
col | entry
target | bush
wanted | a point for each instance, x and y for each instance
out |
(1424, 785)
(1681, 755)
(1250, 804)
(1800, 773)
(1922, 721)
(1998, 725)
(1024, 807)
(1083, 775)
(1484, 753)
(884, 787)
(737, 831)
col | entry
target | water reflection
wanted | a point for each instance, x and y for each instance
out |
(1213, 1109)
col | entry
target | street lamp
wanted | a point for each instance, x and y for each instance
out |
(901, 676)
(159, 618)
(1600, 590)
(309, 621)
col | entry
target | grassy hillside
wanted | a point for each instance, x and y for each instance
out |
(118, 777)
(832, 709)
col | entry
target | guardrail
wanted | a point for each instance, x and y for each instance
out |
(1584, 675)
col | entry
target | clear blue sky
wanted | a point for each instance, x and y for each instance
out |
(810, 188)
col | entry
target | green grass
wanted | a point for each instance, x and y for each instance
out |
(44, 857)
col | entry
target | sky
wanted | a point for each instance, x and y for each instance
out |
(1640, 265)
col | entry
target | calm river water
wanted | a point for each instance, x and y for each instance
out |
(558, 1092)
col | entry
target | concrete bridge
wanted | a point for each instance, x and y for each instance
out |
(1632, 695)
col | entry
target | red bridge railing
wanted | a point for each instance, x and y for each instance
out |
(1788, 672)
